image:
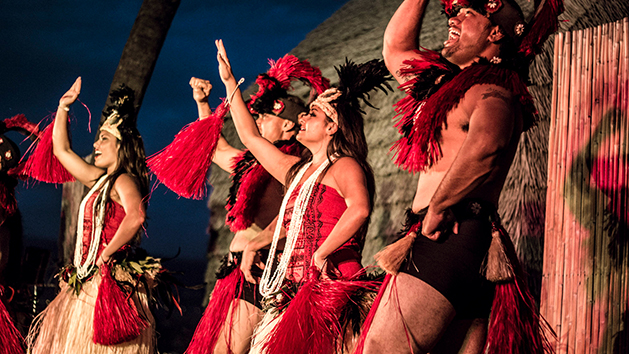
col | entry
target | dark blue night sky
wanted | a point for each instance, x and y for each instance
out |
(46, 44)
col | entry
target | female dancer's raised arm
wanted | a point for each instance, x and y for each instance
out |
(81, 170)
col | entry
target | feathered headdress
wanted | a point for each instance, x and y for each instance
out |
(120, 114)
(273, 86)
(355, 83)
(9, 151)
(11, 167)
(508, 15)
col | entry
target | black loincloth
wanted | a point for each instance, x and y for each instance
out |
(452, 264)
(250, 291)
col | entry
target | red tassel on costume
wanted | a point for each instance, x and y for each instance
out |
(42, 164)
(116, 320)
(182, 166)
(515, 326)
(311, 323)
(360, 346)
(209, 328)
(543, 25)
(10, 338)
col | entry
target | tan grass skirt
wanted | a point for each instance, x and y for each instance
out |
(66, 325)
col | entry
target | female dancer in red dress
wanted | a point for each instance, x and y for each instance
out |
(325, 212)
(85, 317)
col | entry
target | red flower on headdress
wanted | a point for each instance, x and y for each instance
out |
(450, 6)
(493, 6)
(278, 107)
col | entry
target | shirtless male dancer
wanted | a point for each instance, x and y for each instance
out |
(461, 125)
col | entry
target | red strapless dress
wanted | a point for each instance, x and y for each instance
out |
(113, 218)
(323, 212)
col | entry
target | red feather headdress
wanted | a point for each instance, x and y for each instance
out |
(272, 96)
(508, 15)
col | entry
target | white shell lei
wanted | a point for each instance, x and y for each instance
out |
(270, 284)
(83, 270)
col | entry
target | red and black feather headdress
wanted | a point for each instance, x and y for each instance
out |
(529, 37)
(272, 96)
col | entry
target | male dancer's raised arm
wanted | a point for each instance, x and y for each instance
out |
(225, 153)
(401, 38)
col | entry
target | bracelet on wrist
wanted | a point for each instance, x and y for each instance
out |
(65, 108)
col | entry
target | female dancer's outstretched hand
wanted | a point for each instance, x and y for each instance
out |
(224, 68)
(73, 93)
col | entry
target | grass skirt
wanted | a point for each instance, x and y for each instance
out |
(66, 326)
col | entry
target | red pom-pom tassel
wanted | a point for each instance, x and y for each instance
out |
(183, 165)
(227, 291)
(116, 320)
(43, 165)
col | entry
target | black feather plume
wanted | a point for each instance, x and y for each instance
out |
(357, 80)
(122, 100)
(273, 90)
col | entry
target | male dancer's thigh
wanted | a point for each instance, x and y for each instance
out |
(242, 325)
(463, 336)
(411, 314)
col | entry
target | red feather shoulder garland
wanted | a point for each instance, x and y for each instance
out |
(248, 182)
(421, 119)
(183, 165)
